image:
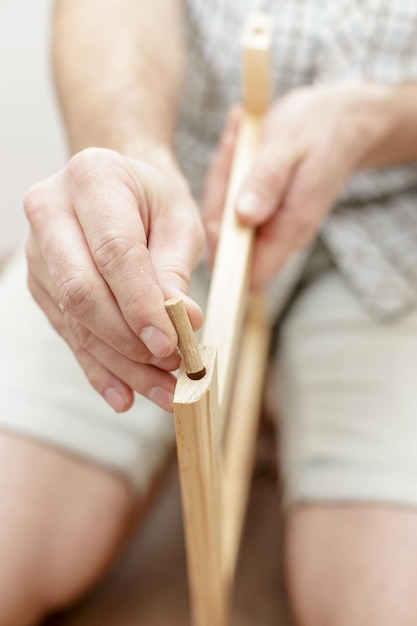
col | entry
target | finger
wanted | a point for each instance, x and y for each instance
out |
(115, 382)
(215, 185)
(118, 395)
(114, 391)
(147, 380)
(76, 333)
(116, 220)
(270, 176)
(102, 351)
(176, 248)
(292, 227)
(68, 272)
(216, 182)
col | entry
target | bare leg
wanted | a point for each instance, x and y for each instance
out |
(352, 565)
(62, 522)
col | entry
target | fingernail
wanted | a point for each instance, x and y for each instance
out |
(116, 400)
(248, 203)
(162, 397)
(155, 340)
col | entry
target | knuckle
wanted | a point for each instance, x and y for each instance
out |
(126, 347)
(180, 272)
(109, 249)
(84, 337)
(76, 295)
(85, 167)
(34, 201)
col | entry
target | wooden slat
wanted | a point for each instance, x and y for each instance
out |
(199, 406)
(227, 299)
(243, 420)
(257, 50)
(198, 448)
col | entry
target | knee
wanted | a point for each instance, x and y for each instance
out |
(12, 615)
(349, 609)
(60, 529)
(349, 566)
(46, 569)
(22, 598)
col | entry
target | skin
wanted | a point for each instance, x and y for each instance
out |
(313, 140)
(103, 231)
(99, 264)
(351, 565)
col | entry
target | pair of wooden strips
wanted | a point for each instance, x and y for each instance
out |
(215, 454)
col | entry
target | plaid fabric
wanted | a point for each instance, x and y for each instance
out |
(372, 232)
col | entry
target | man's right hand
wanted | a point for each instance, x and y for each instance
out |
(111, 238)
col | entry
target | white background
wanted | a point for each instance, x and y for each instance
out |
(32, 143)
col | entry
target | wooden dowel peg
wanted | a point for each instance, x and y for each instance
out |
(187, 342)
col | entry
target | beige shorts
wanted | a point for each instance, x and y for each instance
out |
(347, 397)
(346, 392)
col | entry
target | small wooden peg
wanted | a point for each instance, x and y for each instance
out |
(187, 342)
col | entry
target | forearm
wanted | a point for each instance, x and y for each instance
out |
(118, 69)
(387, 125)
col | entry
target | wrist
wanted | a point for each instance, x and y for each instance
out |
(374, 119)
(157, 154)
(367, 123)
(158, 157)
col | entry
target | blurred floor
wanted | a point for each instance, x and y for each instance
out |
(148, 587)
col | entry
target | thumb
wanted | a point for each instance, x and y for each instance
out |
(176, 246)
(266, 183)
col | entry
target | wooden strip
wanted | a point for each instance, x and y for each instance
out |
(229, 285)
(227, 299)
(257, 46)
(242, 428)
(195, 411)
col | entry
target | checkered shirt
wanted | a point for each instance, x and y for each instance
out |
(371, 233)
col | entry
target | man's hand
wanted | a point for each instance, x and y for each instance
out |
(111, 239)
(311, 141)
